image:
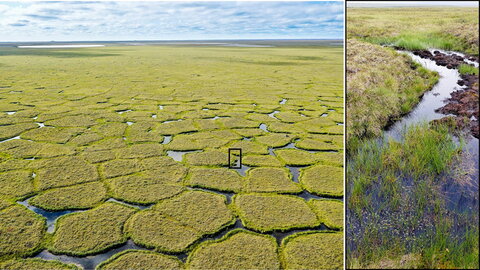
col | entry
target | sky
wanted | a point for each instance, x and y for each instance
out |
(412, 3)
(102, 20)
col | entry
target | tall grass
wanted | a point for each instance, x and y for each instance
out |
(377, 173)
(467, 69)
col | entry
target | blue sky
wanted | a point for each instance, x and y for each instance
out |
(76, 21)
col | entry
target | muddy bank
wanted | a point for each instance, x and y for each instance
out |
(462, 107)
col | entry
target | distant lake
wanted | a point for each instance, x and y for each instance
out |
(58, 46)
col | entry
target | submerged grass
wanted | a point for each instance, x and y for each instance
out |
(394, 202)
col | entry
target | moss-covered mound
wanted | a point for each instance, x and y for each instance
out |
(65, 171)
(215, 178)
(15, 184)
(270, 180)
(239, 249)
(21, 231)
(74, 197)
(269, 212)
(140, 259)
(174, 224)
(313, 250)
(36, 264)
(92, 231)
(323, 180)
(142, 189)
(330, 212)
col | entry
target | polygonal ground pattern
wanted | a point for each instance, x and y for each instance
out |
(323, 180)
(269, 212)
(330, 212)
(91, 231)
(270, 180)
(174, 224)
(21, 230)
(36, 263)
(80, 196)
(313, 250)
(66, 139)
(141, 259)
(239, 249)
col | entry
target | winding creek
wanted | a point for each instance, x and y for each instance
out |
(457, 196)
(460, 196)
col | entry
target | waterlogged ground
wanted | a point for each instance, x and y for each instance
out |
(116, 157)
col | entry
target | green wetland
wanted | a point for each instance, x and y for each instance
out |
(116, 157)
(412, 165)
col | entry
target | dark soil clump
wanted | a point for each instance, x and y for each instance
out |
(463, 104)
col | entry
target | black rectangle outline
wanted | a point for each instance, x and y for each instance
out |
(229, 151)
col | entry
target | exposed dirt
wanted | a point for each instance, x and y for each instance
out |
(463, 104)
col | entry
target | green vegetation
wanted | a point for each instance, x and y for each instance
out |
(91, 231)
(382, 86)
(81, 196)
(140, 259)
(323, 180)
(142, 189)
(172, 225)
(98, 123)
(271, 212)
(330, 212)
(467, 69)
(215, 178)
(28, 264)
(313, 250)
(424, 159)
(239, 249)
(52, 174)
(417, 28)
(270, 180)
(16, 184)
(21, 231)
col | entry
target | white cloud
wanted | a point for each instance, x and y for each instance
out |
(169, 20)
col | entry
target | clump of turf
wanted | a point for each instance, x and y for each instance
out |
(173, 224)
(295, 157)
(142, 189)
(275, 139)
(330, 212)
(21, 231)
(65, 171)
(81, 196)
(270, 180)
(323, 180)
(313, 250)
(140, 259)
(261, 161)
(239, 249)
(16, 184)
(36, 263)
(270, 212)
(214, 178)
(91, 231)
(207, 158)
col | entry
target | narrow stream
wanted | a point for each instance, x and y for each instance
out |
(457, 196)
(432, 100)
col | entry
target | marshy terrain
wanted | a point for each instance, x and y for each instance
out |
(117, 157)
(412, 138)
